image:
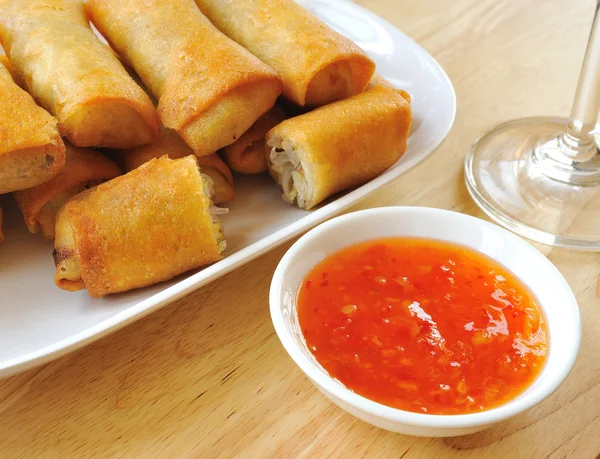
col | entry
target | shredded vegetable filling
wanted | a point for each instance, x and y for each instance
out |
(289, 173)
(422, 325)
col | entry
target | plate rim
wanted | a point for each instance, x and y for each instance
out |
(243, 256)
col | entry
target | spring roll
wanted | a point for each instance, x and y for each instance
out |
(144, 227)
(31, 149)
(74, 75)
(170, 144)
(83, 169)
(338, 146)
(209, 89)
(247, 154)
(317, 65)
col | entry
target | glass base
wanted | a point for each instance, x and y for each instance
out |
(509, 175)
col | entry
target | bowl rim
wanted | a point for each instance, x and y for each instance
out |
(333, 387)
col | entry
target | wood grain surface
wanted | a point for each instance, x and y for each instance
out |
(207, 377)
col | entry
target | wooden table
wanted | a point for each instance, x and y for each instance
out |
(207, 376)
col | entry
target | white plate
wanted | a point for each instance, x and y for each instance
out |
(39, 322)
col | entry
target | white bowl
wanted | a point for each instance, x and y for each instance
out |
(551, 289)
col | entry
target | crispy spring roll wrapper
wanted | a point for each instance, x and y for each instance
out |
(380, 81)
(74, 75)
(144, 227)
(317, 65)
(170, 144)
(31, 149)
(247, 154)
(83, 169)
(338, 146)
(209, 89)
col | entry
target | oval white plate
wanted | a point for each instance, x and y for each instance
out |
(39, 322)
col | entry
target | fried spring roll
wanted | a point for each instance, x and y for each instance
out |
(31, 149)
(317, 65)
(170, 144)
(144, 227)
(341, 145)
(74, 75)
(209, 89)
(83, 169)
(247, 154)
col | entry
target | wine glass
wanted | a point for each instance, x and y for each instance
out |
(540, 177)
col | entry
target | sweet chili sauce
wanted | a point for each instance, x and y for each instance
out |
(422, 325)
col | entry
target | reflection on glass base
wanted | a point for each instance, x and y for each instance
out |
(508, 181)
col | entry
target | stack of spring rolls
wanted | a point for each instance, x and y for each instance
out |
(119, 153)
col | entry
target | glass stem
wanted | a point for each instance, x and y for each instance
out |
(579, 143)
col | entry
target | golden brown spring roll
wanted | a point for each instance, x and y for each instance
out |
(338, 146)
(317, 65)
(74, 75)
(170, 144)
(31, 149)
(144, 227)
(247, 154)
(209, 89)
(83, 169)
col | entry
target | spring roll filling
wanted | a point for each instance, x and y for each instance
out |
(290, 172)
(209, 190)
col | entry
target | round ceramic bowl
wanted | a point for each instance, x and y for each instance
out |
(545, 281)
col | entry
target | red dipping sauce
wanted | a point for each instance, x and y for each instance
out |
(422, 325)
